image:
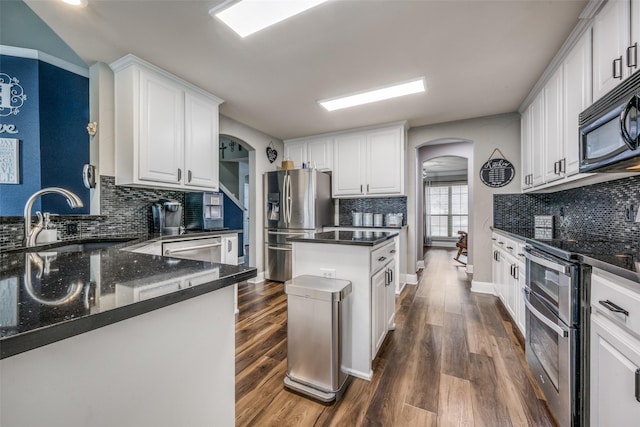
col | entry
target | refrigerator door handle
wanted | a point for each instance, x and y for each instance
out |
(289, 201)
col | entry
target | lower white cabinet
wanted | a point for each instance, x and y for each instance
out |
(383, 297)
(615, 351)
(378, 330)
(509, 277)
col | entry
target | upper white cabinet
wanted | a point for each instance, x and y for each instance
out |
(614, 53)
(318, 152)
(369, 163)
(577, 77)
(549, 133)
(166, 129)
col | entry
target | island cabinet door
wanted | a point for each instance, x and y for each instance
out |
(378, 309)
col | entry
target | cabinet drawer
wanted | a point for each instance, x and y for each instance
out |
(208, 250)
(381, 256)
(615, 298)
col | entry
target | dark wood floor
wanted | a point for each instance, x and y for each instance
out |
(452, 360)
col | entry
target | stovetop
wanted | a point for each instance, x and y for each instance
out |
(588, 248)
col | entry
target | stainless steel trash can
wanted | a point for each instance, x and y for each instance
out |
(314, 339)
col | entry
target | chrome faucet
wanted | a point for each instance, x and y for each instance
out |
(31, 234)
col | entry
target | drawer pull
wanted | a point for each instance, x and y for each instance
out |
(510, 247)
(393, 251)
(638, 385)
(501, 243)
(382, 258)
(613, 307)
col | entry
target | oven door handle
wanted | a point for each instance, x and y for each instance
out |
(191, 248)
(563, 332)
(530, 254)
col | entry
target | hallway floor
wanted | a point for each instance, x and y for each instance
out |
(452, 360)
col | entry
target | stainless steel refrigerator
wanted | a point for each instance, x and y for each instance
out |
(297, 201)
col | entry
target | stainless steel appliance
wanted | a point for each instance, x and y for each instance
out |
(206, 249)
(204, 211)
(167, 217)
(296, 201)
(556, 340)
(610, 130)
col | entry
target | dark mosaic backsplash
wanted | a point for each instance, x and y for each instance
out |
(598, 209)
(382, 206)
(125, 211)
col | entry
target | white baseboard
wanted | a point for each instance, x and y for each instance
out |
(469, 269)
(402, 285)
(258, 279)
(420, 265)
(483, 287)
(411, 279)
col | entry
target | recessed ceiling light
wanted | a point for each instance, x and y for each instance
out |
(249, 16)
(387, 92)
(80, 3)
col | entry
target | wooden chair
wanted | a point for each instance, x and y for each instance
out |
(462, 246)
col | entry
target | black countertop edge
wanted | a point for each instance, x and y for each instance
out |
(343, 238)
(585, 259)
(390, 227)
(193, 234)
(14, 219)
(23, 342)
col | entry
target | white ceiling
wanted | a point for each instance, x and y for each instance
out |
(479, 57)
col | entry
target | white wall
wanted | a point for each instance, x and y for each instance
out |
(485, 133)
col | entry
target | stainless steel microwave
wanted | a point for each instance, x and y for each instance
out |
(610, 130)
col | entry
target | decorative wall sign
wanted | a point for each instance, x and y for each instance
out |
(272, 154)
(497, 172)
(9, 161)
(12, 95)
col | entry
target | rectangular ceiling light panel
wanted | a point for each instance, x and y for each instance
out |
(249, 16)
(387, 92)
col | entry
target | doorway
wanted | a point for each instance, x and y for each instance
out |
(446, 200)
(234, 184)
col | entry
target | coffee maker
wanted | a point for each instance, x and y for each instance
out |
(167, 217)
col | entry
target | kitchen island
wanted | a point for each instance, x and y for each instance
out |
(105, 337)
(367, 259)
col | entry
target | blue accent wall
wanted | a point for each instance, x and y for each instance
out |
(54, 144)
(64, 141)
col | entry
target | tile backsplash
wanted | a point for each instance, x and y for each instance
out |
(598, 209)
(125, 211)
(383, 205)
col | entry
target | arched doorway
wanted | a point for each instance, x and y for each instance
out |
(429, 151)
(235, 171)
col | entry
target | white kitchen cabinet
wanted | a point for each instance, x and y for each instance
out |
(552, 151)
(615, 351)
(611, 38)
(166, 129)
(508, 270)
(549, 126)
(537, 140)
(369, 163)
(577, 89)
(317, 152)
(526, 146)
(201, 142)
(383, 299)
(378, 324)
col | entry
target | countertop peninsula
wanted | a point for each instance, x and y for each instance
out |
(48, 296)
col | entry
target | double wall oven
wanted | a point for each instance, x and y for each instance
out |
(556, 323)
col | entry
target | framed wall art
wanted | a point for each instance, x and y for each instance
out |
(9, 161)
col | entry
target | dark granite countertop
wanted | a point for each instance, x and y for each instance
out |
(369, 227)
(358, 238)
(619, 257)
(47, 296)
